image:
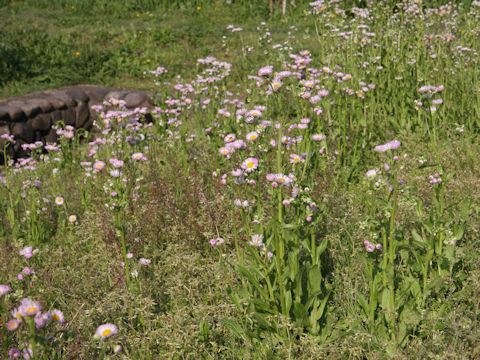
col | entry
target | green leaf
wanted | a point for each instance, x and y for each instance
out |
(252, 278)
(235, 328)
(300, 311)
(321, 248)
(435, 282)
(419, 208)
(386, 299)
(262, 321)
(288, 300)
(418, 240)
(323, 304)
(293, 264)
(363, 304)
(263, 306)
(314, 279)
(458, 231)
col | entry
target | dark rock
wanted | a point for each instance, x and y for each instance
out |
(22, 131)
(15, 113)
(57, 103)
(148, 118)
(16, 103)
(116, 94)
(96, 94)
(77, 94)
(41, 103)
(82, 115)
(4, 115)
(30, 109)
(136, 99)
(18, 150)
(63, 96)
(41, 122)
(51, 136)
(88, 124)
(40, 135)
(4, 129)
(57, 116)
(69, 116)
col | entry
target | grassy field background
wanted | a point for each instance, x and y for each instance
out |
(195, 300)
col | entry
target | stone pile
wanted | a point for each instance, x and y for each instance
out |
(30, 118)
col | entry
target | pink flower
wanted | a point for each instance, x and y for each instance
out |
(105, 331)
(250, 164)
(225, 151)
(98, 166)
(391, 145)
(257, 240)
(216, 241)
(371, 173)
(116, 163)
(280, 179)
(369, 246)
(27, 252)
(57, 316)
(4, 290)
(29, 307)
(27, 271)
(295, 159)
(252, 136)
(139, 157)
(144, 262)
(12, 324)
(237, 172)
(318, 137)
(41, 320)
(265, 71)
(229, 138)
(14, 353)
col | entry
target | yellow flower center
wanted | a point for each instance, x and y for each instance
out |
(106, 332)
(12, 325)
(276, 85)
(31, 310)
(250, 165)
(55, 317)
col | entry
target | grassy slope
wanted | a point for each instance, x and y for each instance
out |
(58, 45)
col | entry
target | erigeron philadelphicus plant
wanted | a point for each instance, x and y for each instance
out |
(27, 276)
(428, 104)
(384, 308)
(439, 227)
(37, 221)
(7, 141)
(30, 332)
(398, 296)
(103, 334)
(68, 142)
(280, 264)
(126, 134)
